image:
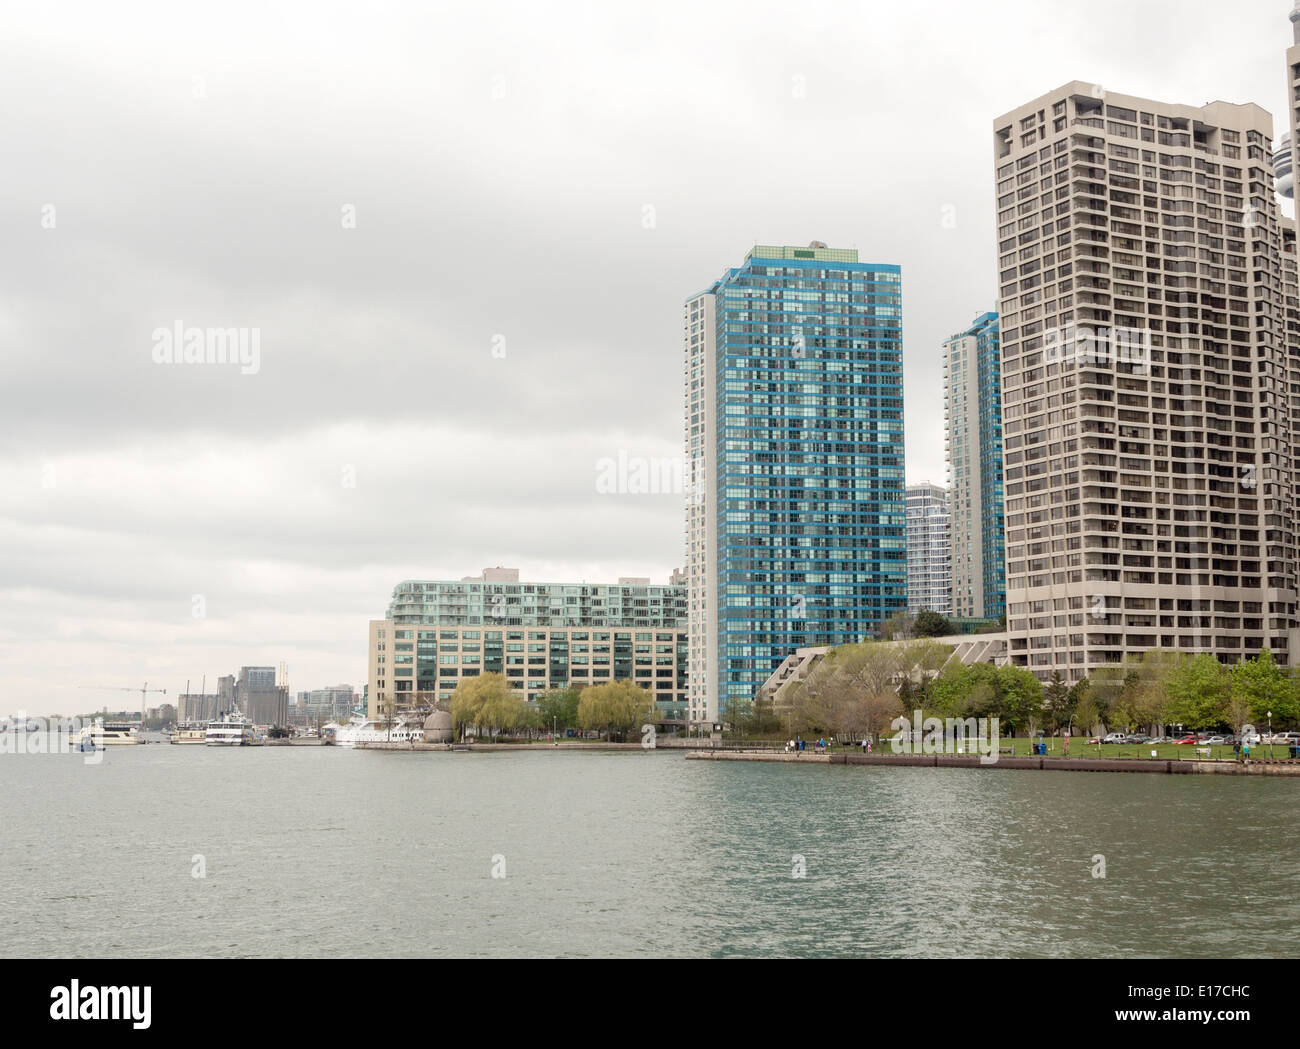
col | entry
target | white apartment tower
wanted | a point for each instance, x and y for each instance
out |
(929, 560)
(701, 539)
(1149, 489)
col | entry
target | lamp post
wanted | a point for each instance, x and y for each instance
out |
(1270, 735)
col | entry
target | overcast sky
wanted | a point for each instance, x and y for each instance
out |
(463, 233)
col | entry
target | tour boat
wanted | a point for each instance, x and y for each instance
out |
(112, 734)
(232, 729)
(191, 734)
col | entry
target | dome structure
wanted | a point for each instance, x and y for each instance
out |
(437, 727)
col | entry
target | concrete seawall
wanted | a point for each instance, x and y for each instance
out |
(972, 761)
(514, 748)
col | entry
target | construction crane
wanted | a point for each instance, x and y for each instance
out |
(144, 694)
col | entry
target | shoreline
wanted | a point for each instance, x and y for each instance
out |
(1042, 763)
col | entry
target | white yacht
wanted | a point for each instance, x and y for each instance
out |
(110, 734)
(231, 730)
(376, 730)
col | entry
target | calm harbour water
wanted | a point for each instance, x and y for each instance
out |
(313, 851)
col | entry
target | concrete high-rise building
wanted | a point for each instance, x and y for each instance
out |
(1145, 361)
(265, 702)
(539, 636)
(793, 431)
(226, 697)
(1284, 157)
(929, 561)
(972, 403)
(497, 597)
(332, 703)
(197, 706)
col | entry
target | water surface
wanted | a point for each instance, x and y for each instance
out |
(318, 851)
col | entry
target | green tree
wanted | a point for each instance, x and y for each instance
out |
(559, 707)
(615, 707)
(1020, 697)
(931, 624)
(1058, 702)
(472, 695)
(737, 712)
(1262, 686)
(1144, 699)
(855, 689)
(1011, 694)
(503, 710)
(763, 719)
(926, 658)
(953, 690)
(1105, 686)
(1197, 692)
(1087, 714)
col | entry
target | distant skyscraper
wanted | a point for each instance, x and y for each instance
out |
(1284, 156)
(972, 397)
(795, 524)
(1145, 360)
(265, 702)
(929, 564)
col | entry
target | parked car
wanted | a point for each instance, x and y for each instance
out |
(1139, 738)
(1215, 741)
(1252, 738)
(1094, 741)
(1186, 739)
(1115, 737)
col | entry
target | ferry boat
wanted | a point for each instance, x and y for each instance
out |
(190, 734)
(118, 734)
(359, 729)
(232, 729)
(111, 734)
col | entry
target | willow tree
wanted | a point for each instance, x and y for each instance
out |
(503, 710)
(472, 695)
(615, 707)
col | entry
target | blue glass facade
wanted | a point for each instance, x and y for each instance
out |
(992, 535)
(974, 408)
(809, 506)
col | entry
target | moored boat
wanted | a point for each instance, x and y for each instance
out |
(232, 729)
(401, 729)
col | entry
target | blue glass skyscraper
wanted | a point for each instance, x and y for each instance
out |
(973, 408)
(796, 526)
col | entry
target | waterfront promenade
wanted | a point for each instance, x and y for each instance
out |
(1284, 767)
